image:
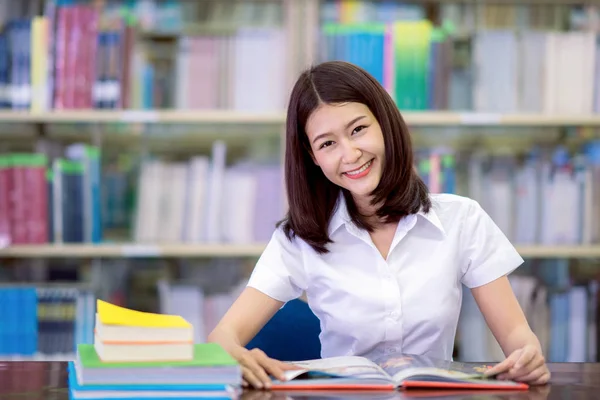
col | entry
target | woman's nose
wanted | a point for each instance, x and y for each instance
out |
(351, 153)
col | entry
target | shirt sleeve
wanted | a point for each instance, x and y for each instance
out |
(279, 272)
(487, 252)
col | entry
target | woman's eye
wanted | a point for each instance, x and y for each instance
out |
(358, 129)
(325, 144)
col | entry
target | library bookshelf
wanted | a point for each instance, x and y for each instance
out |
(251, 250)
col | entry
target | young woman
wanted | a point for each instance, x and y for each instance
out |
(381, 260)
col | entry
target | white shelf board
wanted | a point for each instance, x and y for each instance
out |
(230, 250)
(559, 251)
(413, 118)
(142, 116)
(132, 250)
(434, 118)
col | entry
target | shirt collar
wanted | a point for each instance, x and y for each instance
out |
(341, 216)
(432, 218)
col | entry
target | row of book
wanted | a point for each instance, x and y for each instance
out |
(548, 196)
(506, 72)
(206, 200)
(244, 71)
(78, 56)
(562, 313)
(44, 321)
(44, 201)
(75, 199)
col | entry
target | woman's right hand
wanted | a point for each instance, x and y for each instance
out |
(257, 366)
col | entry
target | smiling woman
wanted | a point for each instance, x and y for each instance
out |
(382, 261)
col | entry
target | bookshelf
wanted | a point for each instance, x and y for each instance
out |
(167, 105)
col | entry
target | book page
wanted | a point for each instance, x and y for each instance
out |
(402, 366)
(354, 367)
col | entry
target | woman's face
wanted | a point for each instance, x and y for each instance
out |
(347, 144)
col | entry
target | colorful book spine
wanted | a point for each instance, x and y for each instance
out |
(89, 158)
(68, 201)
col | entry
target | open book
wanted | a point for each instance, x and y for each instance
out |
(389, 373)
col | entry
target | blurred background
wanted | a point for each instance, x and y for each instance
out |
(141, 149)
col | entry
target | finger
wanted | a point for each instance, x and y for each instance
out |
(273, 367)
(260, 373)
(252, 363)
(527, 355)
(505, 365)
(251, 378)
(537, 362)
(531, 376)
(518, 374)
(267, 365)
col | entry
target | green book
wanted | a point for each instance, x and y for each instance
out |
(205, 355)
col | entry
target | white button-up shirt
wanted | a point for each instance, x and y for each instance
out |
(409, 302)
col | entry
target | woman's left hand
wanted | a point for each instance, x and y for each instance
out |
(526, 365)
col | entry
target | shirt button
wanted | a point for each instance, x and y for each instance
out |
(395, 314)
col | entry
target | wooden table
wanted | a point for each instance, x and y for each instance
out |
(48, 381)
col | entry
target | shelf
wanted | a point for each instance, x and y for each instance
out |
(143, 116)
(132, 250)
(225, 117)
(562, 251)
(228, 250)
(427, 118)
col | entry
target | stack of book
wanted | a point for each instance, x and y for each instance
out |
(149, 356)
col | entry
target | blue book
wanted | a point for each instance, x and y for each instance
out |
(154, 391)
(89, 158)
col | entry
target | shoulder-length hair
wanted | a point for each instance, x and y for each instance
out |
(311, 196)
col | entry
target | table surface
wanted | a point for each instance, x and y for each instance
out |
(48, 381)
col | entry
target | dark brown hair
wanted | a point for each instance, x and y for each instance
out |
(311, 196)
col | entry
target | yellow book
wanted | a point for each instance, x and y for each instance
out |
(349, 11)
(110, 314)
(39, 63)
